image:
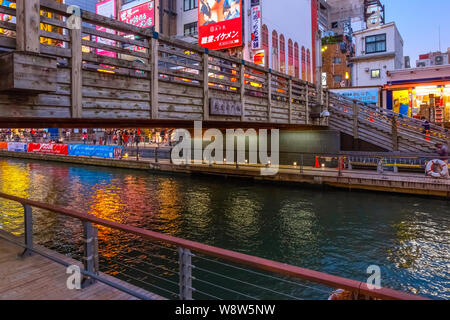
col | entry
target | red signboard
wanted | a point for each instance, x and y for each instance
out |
(220, 24)
(48, 148)
(142, 15)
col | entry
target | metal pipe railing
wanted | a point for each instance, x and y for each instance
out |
(186, 246)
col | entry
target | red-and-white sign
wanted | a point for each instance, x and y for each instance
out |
(142, 15)
(220, 24)
(48, 148)
(106, 8)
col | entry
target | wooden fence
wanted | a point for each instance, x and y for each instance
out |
(110, 69)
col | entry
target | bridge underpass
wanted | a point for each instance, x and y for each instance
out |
(144, 79)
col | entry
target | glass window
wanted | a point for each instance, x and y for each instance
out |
(375, 74)
(337, 78)
(191, 29)
(376, 43)
(190, 4)
(337, 60)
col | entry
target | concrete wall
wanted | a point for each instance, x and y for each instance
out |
(392, 59)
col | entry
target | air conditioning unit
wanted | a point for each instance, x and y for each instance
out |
(439, 60)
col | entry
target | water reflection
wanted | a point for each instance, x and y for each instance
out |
(341, 233)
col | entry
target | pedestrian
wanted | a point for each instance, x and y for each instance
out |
(442, 151)
(84, 137)
(426, 125)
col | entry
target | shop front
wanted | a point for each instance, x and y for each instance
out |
(421, 93)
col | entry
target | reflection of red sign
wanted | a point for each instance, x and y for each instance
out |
(142, 16)
(220, 24)
(48, 148)
(106, 8)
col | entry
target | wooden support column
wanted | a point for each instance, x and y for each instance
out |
(154, 76)
(290, 100)
(76, 77)
(28, 25)
(306, 103)
(394, 134)
(206, 85)
(269, 96)
(355, 120)
(242, 80)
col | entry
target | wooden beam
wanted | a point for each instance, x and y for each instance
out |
(76, 77)
(394, 133)
(205, 86)
(242, 89)
(306, 103)
(269, 96)
(355, 120)
(28, 25)
(154, 78)
(290, 100)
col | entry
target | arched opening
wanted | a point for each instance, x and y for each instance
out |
(296, 60)
(265, 43)
(308, 61)
(275, 54)
(303, 63)
(290, 57)
(282, 54)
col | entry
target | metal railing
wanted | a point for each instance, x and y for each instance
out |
(190, 269)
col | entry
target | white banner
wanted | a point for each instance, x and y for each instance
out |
(256, 27)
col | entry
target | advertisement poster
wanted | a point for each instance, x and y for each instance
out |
(368, 96)
(220, 24)
(17, 146)
(62, 149)
(142, 15)
(3, 145)
(256, 24)
(106, 8)
(92, 151)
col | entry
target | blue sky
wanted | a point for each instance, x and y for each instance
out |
(418, 22)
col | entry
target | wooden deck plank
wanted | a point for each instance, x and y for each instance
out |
(38, 278)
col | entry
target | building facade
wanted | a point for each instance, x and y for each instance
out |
(377, 51)
(336, 70)
(433, 59)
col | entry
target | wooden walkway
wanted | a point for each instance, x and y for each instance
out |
(38, 278)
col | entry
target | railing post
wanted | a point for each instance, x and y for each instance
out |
(156, 154)
(89, 253)
(206, 85)
(355, 120)
(340, 165)
(269, 96)
(28, 25)
(185, 262)
(76, 78)
(242, 80)
(306, 103)
(28, 226)
(154, 75)
(301, 164)
(290, 99)
(394, 133)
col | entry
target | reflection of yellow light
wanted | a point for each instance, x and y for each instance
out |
(105, 71)
(347, 75)
(126, 155)
(189, 53)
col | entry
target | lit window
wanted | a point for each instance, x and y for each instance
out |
(191, 29)
(375, 74)
(337, 60)
(337, 78)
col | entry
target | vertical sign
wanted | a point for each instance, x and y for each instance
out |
(220, 24)
(106, 8)
(256, 24)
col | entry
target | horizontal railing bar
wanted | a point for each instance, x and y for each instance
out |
(225, 289)
(236, 257)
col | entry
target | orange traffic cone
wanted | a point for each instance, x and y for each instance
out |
(317, 165)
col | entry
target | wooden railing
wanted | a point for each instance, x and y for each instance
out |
(110, 69)
(358, 289)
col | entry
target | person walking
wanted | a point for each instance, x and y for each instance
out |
(442, 151)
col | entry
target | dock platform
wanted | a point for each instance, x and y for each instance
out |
(38, 278)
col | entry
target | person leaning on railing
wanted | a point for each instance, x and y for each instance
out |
(442, 151)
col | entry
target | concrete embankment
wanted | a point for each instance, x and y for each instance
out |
(405, 183)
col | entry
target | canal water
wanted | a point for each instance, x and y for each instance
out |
(333, 231)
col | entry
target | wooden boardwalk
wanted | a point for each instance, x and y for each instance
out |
(38, 278)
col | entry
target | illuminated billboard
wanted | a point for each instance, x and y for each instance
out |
(106, 8)
(142, 15)
(220, 24)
